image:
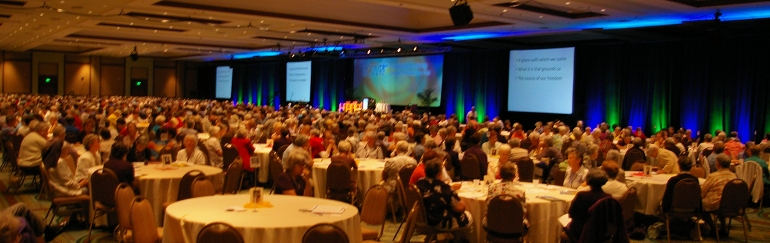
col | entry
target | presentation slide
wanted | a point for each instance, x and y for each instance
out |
(298, 81)
(397, 80)
(224, 88)
(541, 80)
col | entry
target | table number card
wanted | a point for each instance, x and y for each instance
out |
(256, 195)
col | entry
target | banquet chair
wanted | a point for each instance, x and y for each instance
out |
(219, 232)
(526, 169)
(10, 155)
(735, 196)
(205, 151)
(102, 187)
(229, 154)
(506, 225)
(276, 168)
(685, 203)
(143, 226)
(374, 211)
(628, 202)
(751, 173)
(431, 232)
(406, 173)
(124, 196)
(470, 168)
(202, 187)
(325, 233)
(185, 186)
(605, 223)
(404, 200)
(698, 171)
(638, 166)
(281, 150)
(409, 224)
(338, 183)
(232, 178)
(558, 178)
(73, 204)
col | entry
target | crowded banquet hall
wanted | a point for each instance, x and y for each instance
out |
(384, 121)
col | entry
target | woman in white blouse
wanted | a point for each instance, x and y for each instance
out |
(191, 154)
(61, 179)
(88, 159)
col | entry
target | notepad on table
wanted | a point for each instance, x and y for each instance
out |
(328, 209)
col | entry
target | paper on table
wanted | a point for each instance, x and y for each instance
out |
(564, 220)
(328, 209)
(235, 209)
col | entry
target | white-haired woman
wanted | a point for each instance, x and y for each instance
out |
(191, 154)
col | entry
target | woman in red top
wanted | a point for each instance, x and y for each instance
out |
(244, 147)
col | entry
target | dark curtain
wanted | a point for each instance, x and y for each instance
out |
(329, 80)
(477, 78)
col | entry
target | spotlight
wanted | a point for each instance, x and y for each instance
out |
(368, 52)
(134, 54)
(399, 49)
(415, 49)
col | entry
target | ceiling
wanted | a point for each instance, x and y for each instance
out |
(217, 30)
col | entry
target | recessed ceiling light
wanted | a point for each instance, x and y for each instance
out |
(567, 3)
(505, 10)
(602, 10)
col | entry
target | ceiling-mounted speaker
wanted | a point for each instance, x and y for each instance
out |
(461, 13)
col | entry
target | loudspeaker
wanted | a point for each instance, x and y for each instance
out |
(461, 14)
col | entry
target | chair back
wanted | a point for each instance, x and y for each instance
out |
(44, 182)
(102, 187)
(698, 172)
(185, 184)
(202, 187)
(735, 196)
(605, 223)
(219, 232)
(143, 225)
(558, 177)
(638, 166)
(338, 186)
(686, 197)
(409, 225)
(325, 233)
(413, 196)
(229, 153)
(628, 202)
(232, 178)
(751, 173)
(276, 167)
(470, 167)
(124, 196)
(508, 218)
(526, 169)
(281, 150)
(406, 173)
(205, 151)
(375, 207)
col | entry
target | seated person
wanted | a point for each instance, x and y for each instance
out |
(711, 189)
(191, 154)
(576, 171)
(678, 227)
(508, 186)
(369, 149)
(139, 152)
(118, 164)
(443, 207)
(344, 157)
(61, 178)
(18, 224)
(393, 166)
(578, 210)
(295, 179)
(88, 159)
(613, 186)
(754, 152)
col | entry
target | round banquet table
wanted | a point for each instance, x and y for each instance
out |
(284, 222)
(542, 214)
(493, 165)
(369, 174)
(162, 185)
(649, 190)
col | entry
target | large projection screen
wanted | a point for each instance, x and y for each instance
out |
(541, 80)
(397, 80)
(298, 81)
(224, 82)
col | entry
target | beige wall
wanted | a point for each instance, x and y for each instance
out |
(93, 75)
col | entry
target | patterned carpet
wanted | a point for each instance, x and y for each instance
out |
(760, 222)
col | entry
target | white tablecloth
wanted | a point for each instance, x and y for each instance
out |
(369, 174)
(262, 151)
(649, 190)
(543, 214)
(284, 222)
(160, 186)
